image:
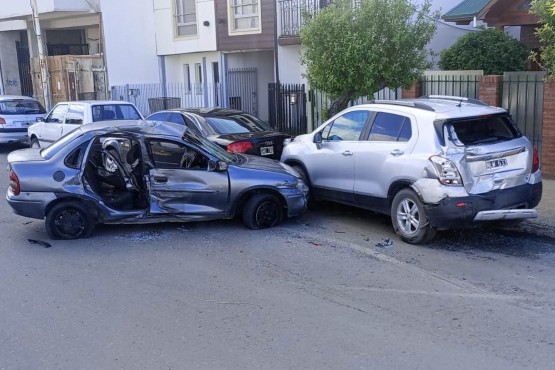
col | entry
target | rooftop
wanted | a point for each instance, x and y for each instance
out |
(467, 9)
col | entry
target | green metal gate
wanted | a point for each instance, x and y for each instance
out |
(522, 95)
(452, 83)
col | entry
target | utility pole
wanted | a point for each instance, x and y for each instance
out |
(45, 80)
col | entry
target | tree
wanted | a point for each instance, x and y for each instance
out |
(489, 49)
(545, 9)
(356, 48)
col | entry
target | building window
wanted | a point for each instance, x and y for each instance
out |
(244, 15)
(185, 17)
(198, 78)
(187, 77)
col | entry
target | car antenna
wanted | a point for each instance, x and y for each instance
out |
(462, 98)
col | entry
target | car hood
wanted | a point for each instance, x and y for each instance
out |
(254, 162)
(22, 155)
(227, 139)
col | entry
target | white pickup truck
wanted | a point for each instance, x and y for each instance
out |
(67, 116)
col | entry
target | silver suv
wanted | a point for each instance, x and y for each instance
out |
(432, 163)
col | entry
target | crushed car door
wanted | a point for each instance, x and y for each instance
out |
(182, 184)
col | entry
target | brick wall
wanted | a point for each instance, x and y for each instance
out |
(490, 89)
(548, 133)
(414, 92)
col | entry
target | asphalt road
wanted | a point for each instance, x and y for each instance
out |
(323, 291)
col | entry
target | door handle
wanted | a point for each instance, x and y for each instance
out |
(397, 152)
(347, 153)
(160, 179)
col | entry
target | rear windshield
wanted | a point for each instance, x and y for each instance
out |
(235, 124)
(21, 106)
(480, 130)
(110, 112)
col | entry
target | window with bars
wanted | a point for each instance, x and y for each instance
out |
(244, 15)
(185, 17)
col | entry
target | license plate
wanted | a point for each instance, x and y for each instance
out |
(267, 150)
(22, 123)
(496, 163)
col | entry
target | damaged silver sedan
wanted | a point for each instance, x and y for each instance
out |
(143, 172)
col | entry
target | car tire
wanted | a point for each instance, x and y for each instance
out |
(310, 202)
(35, 143)
(262, 211)
(409, 219)
(69, 220)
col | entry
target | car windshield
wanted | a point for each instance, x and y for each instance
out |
(210, 147)
(481, 130)
(21, 106)
(60, 144)
(109, 112)
(237, 123)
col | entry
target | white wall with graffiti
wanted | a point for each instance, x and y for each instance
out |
(9, 68)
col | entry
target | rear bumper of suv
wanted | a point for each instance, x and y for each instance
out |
(512, 203)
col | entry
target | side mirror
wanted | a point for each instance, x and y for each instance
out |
(317, 139)
(217, 166)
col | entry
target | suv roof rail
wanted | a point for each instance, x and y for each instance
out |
(460, 99)
(405, 103)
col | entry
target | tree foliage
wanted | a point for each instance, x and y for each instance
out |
(489, 49)
(545, 10)
(351, 51)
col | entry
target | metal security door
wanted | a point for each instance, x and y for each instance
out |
(242, 92)
(24, 64)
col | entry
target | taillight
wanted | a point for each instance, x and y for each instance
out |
(2, 121)
(14, 183)
(448, 174)
(239, 147)
(535, 161)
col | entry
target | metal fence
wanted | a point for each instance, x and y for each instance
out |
(455, 83)
(287, 108)
(149, 98)
(522, 95)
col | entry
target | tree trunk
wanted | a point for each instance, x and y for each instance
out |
(339, 104)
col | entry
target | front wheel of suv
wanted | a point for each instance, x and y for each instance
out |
(409, 218)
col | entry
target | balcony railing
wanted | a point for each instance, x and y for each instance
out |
(292, 14)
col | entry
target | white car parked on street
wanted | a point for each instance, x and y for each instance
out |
(17, 113)
(67, 116)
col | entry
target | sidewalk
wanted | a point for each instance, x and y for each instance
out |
(544, 225)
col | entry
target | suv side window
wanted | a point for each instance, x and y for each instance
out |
(346, 127)
(390, 127)
(58, 114)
